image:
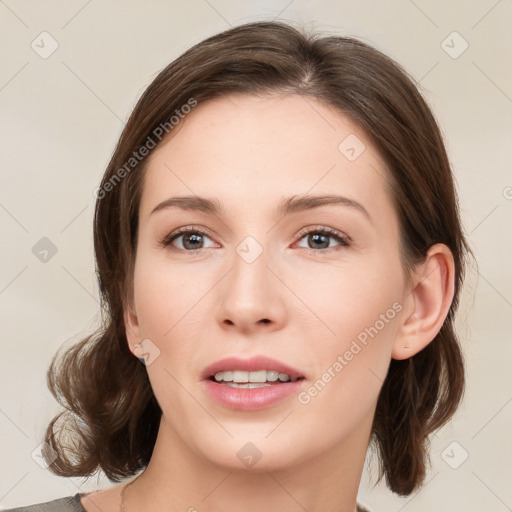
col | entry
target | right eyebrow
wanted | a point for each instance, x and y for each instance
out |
(211, 206)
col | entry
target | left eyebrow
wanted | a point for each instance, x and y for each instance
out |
(288, 206)
(298, 204)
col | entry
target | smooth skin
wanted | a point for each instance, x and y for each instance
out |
(200, 305)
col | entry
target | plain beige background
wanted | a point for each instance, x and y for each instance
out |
(61, 115)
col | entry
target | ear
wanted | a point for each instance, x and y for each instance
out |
(428, 303)
(132, 329)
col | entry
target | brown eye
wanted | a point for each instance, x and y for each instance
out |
(192, 239)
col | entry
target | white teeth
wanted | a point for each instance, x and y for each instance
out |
(239, 376)
(260, 376)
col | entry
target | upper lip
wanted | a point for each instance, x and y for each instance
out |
(251, 364)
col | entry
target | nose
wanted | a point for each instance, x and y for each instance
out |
(251, 296)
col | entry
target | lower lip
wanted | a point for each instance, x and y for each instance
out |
(251, 399)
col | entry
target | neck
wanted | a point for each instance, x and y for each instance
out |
(178, 479)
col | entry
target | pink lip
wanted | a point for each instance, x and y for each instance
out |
(250, 399)
(250, 365)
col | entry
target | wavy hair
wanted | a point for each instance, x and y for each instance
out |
(111, 418)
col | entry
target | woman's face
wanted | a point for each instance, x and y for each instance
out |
(262, 278)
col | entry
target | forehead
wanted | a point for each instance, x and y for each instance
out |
(246, 150)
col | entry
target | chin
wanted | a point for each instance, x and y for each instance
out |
(254, 454)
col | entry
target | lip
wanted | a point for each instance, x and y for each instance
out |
(250, 399)
(252, 364)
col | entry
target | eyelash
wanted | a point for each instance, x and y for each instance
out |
(344, 240)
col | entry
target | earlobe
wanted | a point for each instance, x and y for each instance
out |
(132, 328)
(430, 297)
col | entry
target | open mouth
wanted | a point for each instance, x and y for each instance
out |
(250, 380)
(251, 384)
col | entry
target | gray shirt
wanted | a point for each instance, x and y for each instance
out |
(69, 504)
(73, 504)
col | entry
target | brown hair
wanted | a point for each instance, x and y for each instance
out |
(111, 416)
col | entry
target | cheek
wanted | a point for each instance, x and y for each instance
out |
(350, 370)
(170, 301)
(359, 311)
(346, 300)
(166, 295)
